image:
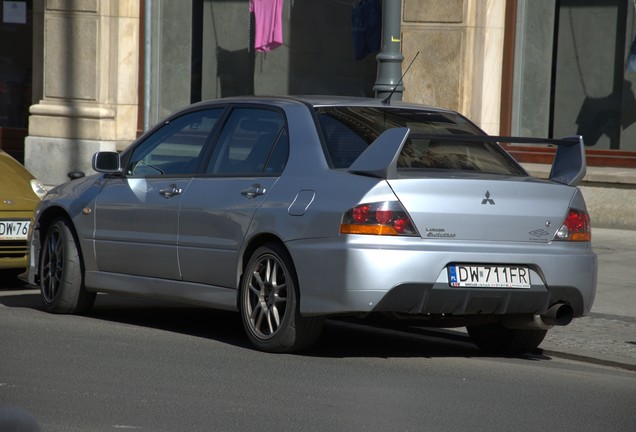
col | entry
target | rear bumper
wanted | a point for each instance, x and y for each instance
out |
(359, 274)
(13, 263)
(13, 254)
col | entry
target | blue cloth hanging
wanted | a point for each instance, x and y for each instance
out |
(366, 20)
(631, 58)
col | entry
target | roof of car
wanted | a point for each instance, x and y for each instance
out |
(323, 101)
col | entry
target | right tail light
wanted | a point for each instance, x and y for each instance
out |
(576, 227)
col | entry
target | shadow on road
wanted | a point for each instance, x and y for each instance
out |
(340, 338)
(9, 279)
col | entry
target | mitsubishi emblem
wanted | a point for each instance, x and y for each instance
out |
(488, 200)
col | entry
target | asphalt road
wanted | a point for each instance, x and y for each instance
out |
(141, 366)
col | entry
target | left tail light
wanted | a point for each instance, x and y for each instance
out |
(576, 227)
(383, 218)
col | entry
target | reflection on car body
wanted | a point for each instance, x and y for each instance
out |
(292, 209)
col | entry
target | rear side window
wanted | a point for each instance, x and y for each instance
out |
(253, 142)
(348, 131)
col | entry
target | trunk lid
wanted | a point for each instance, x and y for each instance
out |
(483, 207)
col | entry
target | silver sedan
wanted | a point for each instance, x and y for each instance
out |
(290, 210)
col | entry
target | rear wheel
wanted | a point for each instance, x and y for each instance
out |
(61, 273)
(269, 303)
(494, 338)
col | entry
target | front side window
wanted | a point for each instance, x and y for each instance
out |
(348, 131)
(175, 149)
(253, 142)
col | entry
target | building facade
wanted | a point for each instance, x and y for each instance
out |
(78, 76)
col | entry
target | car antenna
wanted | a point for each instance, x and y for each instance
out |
(387, 100)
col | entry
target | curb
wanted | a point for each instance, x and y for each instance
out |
(587, 359)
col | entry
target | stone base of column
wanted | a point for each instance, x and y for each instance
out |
(51, 159)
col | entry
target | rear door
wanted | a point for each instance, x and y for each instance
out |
(218, 207)
(136, 216)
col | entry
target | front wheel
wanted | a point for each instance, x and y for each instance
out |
(494, 338)
(269, 303)
(61, 273)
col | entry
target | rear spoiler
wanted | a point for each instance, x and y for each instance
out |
(380, 158)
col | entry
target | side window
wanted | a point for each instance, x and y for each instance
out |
(176, 148)
(253, 142)
(278, 157)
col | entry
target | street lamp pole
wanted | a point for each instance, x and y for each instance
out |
(390, 58)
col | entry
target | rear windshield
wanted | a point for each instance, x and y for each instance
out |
(349, 130)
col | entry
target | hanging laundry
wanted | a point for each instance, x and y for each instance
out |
(269, 24)
(366, 21)
(631, 58)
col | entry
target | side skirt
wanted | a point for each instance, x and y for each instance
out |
(162, 289)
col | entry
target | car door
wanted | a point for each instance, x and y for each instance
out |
(136, 215)
(218, 207)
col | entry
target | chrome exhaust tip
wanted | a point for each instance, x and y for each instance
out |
(559, 314)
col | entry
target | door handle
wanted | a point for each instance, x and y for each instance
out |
(170, 191)
(253, 191)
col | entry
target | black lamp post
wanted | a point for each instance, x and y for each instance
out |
(390, 58)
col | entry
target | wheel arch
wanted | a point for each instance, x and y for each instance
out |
(45, 220)
(253, 244)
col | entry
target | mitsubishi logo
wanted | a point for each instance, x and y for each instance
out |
(488, 200)
(7, 201)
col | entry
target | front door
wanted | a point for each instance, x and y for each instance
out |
(136, 215)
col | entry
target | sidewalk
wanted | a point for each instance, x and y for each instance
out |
(608, 334)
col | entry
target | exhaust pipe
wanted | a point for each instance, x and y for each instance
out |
(559, 314)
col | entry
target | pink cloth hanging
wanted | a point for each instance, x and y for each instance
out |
(269, 24)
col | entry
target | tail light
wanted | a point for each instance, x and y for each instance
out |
(383, 218)
(576, 227)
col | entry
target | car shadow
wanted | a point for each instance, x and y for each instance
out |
(9, 279)
(341, 338)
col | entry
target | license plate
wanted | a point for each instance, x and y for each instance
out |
(488, 276)
(14, 230)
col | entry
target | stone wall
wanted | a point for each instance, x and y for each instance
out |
(461, 52)
(89, 64)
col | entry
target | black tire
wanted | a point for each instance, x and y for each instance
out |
(61, 272)
(494, 338)
(269, 306)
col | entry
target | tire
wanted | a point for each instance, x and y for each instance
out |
(269, 303)
(61, 272)
(494, 338)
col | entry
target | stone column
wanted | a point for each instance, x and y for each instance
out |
(89, 75)
(461, 53)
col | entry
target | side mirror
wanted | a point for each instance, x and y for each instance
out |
(107, 162)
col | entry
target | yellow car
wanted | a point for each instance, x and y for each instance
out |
(19, 194)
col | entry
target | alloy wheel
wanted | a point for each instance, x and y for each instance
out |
(266, 299)
(52, 264)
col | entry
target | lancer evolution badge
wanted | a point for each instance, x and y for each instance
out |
(488, 200)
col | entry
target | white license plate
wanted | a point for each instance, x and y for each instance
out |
(14, 230)
(487, 276)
